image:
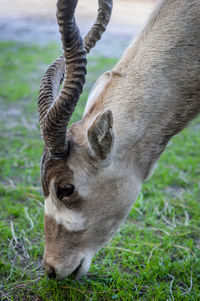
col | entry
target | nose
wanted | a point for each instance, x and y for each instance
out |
(50, 271)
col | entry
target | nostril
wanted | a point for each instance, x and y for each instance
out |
(50, 271)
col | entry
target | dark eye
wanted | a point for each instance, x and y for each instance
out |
(65, 191)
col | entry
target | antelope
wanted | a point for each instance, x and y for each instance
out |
(92, 172)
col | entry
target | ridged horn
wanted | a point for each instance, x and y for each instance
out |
(58, 112)
(55, 112)
(103, 18)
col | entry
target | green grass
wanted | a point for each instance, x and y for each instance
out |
(156, 253)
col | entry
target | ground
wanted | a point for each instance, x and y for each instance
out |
(36, 22)
(154, 256)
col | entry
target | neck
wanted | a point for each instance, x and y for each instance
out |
(162, 69)
(154, 91)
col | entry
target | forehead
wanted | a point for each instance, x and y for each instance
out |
(58, 170)
(54, 169)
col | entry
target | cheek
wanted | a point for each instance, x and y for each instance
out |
(102, 229)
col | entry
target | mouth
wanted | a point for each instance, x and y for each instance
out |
(60, 272)
(76, 274)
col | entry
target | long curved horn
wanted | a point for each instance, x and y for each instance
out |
(54, 114)
(54, 124)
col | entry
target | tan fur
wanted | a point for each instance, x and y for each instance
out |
(99, 103)
(152, 93)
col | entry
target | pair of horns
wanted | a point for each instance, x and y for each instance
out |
(55, 109)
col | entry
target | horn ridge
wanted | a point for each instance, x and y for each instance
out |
(55, 111)
(49, 87)
(54, 125)
(103, 18)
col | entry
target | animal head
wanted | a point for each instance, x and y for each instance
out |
(83, 208)
(83, 188)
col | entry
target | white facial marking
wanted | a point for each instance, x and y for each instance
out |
(97, 89)
(70, 219)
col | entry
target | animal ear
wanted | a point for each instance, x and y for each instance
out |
(101, 136)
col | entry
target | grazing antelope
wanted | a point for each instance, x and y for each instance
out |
(92, 172)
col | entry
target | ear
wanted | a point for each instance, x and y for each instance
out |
(101, 136)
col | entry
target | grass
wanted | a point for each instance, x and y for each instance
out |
(156, 253)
